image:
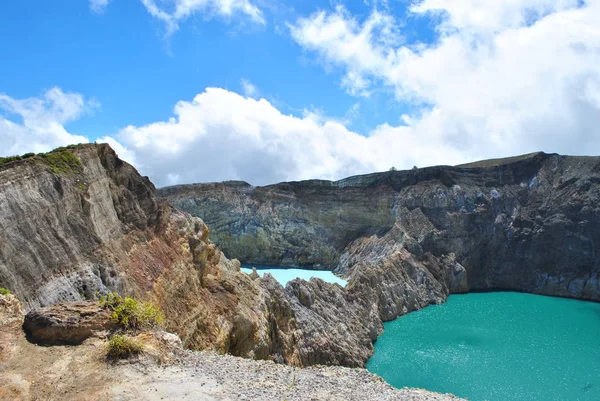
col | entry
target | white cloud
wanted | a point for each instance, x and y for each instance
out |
(504, 77)
(182, 9)
(221, 135)
(37, 124)
(98, 6)
(490, 16)
(249, 89)
(529, 80)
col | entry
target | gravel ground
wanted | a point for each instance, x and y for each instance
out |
(206, 376)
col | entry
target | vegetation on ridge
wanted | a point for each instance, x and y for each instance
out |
(9, 159)
(130, 313)
(4, 291)
(60, 160)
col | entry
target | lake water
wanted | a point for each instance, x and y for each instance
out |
(496, 346)
(284, 274)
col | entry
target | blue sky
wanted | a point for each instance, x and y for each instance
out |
(121, 58)
(344, 87)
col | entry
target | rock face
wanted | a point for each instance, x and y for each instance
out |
(56, 228)
(529, 223)
(406, 239)
(70, 235)
(403, 240)
(290, 224)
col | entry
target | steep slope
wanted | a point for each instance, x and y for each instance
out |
(79, 222)
(529, 223)
(71, 232)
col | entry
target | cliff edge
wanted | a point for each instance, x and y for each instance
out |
(79, 222)
(527, 223)
(407, 239)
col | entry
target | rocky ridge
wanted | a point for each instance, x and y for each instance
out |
(403, 240)
(407, 239)
(164, 371)
(528, 223)
(74, 234)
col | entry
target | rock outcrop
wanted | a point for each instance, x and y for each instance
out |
(406, 239)
(529, 223)
(67, 323)
(11, 311)
(403, 240)
(71, 234)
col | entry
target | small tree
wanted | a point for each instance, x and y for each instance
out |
(393, 168)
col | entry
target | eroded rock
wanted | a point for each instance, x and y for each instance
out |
(67, 323)
(528, 223)
(11, 310)
(403, 240)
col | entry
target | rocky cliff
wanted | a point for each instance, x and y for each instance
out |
(304, 223)
(80, 222)
(529, 223)
(406, 239)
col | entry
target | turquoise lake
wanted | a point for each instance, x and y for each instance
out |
(284, 274)
(496, 346)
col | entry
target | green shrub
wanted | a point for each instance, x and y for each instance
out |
(4, 291)
(9, 159)
(62, 161)
(120, 347)
(130, 313)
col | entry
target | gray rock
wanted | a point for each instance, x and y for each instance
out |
(403, 240)
(407, 239)
(528, 223)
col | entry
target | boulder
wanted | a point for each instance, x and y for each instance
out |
(67, 323)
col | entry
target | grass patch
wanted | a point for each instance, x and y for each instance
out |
(498, 162)
(4, 291)
(120, 346)
(9, 159)
(130, 313)
(62, 161)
